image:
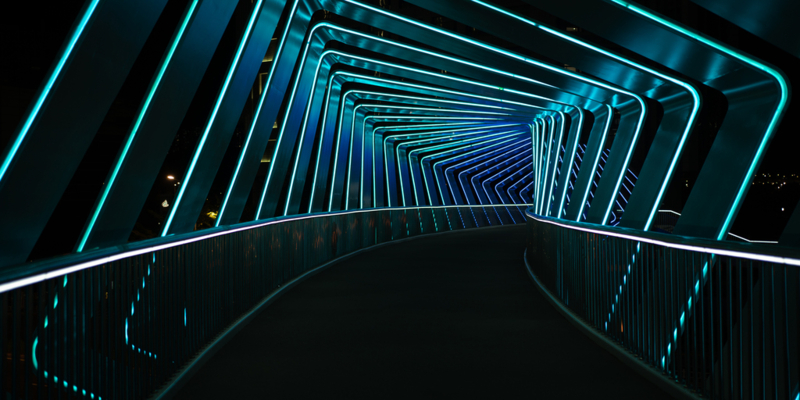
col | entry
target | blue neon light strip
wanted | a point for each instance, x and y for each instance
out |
(596, 160)
(137, 124)
(239, 51)
(87, 15)
(696, 99)
(775, 74)
(275, 60)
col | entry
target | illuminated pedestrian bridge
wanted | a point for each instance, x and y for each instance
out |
(182, 164)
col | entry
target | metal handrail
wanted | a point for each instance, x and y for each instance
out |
(718, 317)
(119, 322)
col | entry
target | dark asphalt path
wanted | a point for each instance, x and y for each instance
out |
(452, 315)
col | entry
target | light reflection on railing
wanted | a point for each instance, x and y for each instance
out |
(718, 317)
(120, 322)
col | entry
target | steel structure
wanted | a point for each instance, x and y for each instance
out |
(357, 105)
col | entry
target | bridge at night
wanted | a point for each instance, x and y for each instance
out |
(305, 198)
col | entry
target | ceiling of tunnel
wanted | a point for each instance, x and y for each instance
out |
(628, 108)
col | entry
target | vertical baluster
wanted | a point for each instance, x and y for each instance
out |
(80, 359)
(787, 327)
(41, 348)
(701, 305)
(774, 329)
(730, 373)
(27, 349)
(16, 304)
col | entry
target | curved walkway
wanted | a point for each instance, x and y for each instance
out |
(442, 316)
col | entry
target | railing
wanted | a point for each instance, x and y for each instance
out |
(119, 323)
(718, 317)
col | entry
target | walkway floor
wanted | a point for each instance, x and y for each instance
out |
(452, 315)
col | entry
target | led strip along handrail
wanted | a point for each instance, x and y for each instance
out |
(427, 159)
(729, 233)
(234, 63)
(477, 158)
(135, 129)
(526, 60)
(387, 81)
(705, 249)
(449, 144)
(713, 252)
(772, 72)
(696, 98)
(380, 39)
(174, 241)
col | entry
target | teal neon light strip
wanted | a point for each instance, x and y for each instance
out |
(506, 53)
(688, 87)
(596, 160)
(275, 60)
(696, 104)
(504, 158)
(416, 86)
(506, 137)
(239, 51)
(548, 179)
(426, 134)
(363, 136)
(555, 162)
(570, 156)
(326, 24)
(415, 117)
(534, 149)
(137, 124)
(450, 143)
(516, 145)
(772, 72)
(483, 184)
(325, 113)
(544, 157)
(487, 162)
(47, 88)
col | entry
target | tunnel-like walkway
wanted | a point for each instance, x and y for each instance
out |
(451, 315)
